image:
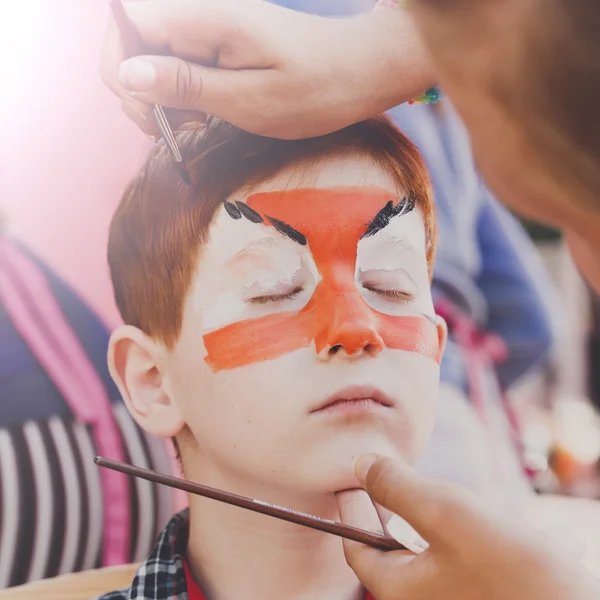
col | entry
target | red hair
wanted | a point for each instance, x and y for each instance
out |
(160, 224)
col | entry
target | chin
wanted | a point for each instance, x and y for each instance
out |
(337, 473)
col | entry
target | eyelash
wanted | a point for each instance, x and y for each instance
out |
(275, 297)
(392, 294)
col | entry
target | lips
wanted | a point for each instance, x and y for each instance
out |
(355, 394)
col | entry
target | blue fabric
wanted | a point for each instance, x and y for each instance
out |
(26, 391)
(486, 264)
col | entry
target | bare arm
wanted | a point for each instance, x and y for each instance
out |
(264, 68)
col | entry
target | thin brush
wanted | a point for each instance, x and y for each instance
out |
(376, 540)
(133, 46)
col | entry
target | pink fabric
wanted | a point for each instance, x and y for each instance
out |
(481, 350)
(36, 315)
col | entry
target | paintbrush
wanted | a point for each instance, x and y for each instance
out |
(133, 46)
(376, 540)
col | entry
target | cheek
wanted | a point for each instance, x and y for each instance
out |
(415, 380)
(242, 409)
(426, 407)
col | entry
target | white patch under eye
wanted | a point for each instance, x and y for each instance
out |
(389, 292)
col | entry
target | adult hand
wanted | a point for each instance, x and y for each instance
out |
(264, 68)
(471, 555)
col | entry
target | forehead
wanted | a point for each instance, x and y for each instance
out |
(337, 196)
(338, 171)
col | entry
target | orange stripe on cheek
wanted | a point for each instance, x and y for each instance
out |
(268, 338)
(257, 340)
(412, 334)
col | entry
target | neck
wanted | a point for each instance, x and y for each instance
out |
(235, 553)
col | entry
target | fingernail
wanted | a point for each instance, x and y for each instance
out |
(363, 464)
(191, 125)
(153, 138)
(137, 74)
(404, 533)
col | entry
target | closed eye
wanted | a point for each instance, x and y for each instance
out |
(275, 297)
(392, 294)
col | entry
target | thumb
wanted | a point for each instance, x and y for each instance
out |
(370, 565)
(442, 513)
(176, 83)
(163, 80)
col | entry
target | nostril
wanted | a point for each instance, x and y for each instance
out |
(373, 349)
(334, 349)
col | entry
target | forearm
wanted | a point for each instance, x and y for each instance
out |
(388, 62)
(266, 69)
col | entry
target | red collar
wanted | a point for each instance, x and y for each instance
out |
(193, 589)
(195, 593)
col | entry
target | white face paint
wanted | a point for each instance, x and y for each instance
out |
(391, 268)
(256, 426)
(246, 262)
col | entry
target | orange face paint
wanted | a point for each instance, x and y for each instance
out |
(333, 221)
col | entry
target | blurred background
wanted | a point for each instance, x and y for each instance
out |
(67, 152)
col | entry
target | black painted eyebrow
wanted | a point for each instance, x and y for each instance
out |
(248, 212)
(232, 210)
(382, 219)
(241, 209)
(288, 231)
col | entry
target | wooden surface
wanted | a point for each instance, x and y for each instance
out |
(78, 586)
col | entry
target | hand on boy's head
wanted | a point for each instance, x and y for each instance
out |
(139, 111)
(257, 65)
(471, 555)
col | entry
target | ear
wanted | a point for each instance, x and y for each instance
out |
(136, 364)
(442, 329)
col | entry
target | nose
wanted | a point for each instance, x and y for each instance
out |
(349, 330)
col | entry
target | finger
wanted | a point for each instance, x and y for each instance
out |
(373, 567)
(441, 513)
(163, 80)
(194, 30)
(185, 120)
(151, 20)
(143, 119)
(111, 58)
(401, 531)
(172, 82)
(357, 509)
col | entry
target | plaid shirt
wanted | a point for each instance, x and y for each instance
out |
(165, 574)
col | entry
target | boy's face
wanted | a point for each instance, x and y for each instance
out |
(305, 342)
